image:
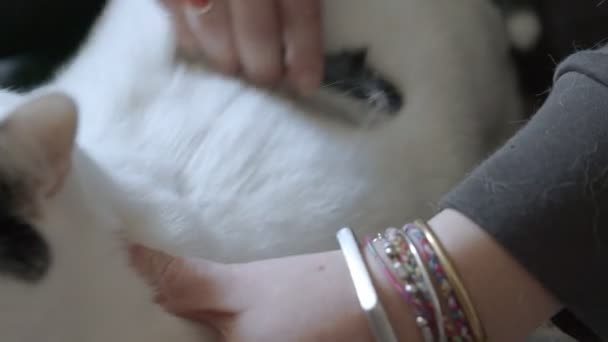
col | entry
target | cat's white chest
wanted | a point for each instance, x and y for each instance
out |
(239, 164)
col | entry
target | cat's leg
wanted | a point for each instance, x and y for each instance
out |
(353, 89)
(129, 49)
(348, 73)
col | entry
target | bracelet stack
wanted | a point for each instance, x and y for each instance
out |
(420, 271)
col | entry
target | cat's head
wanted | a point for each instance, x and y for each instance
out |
(64, 271)
(37, 227)
(36, 143)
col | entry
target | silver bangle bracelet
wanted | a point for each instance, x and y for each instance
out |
(364, 287)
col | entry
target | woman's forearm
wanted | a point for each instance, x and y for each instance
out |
(312, 297)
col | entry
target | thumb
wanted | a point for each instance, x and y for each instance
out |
(185, 286)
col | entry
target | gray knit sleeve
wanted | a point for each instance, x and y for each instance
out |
(544, 195)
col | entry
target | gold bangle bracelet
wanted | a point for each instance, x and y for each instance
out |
(454, 278)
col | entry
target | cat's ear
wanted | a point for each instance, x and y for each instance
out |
(43, 131)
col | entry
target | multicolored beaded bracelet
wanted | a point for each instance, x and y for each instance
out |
(422, 318)
(422, 279)
(455, 322)
(461, 322)
(407, 276)
(461, 291)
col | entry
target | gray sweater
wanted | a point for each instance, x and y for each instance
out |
(544, 195)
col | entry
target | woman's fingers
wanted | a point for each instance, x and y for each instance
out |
(303, 43)
(211, 24)
(257, 32)
(186, 41)
(266, 41)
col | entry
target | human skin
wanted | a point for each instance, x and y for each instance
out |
(268, 42)
(312, 298)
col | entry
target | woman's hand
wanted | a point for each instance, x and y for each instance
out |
(302, 298)
(267, 41)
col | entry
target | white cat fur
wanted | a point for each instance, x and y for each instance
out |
(194, 163)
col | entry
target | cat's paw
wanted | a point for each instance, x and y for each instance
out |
(348, 73)
(352, 88)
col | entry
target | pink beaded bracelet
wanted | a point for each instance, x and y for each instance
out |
(418, 269)
(461, 322)
(399, 269)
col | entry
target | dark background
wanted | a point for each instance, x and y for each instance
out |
(37, 35)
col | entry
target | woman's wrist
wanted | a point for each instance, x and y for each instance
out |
(509, 302)
(397, 311)
(312, 297)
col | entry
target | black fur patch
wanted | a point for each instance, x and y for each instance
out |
(349, 73)
(24, 254)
